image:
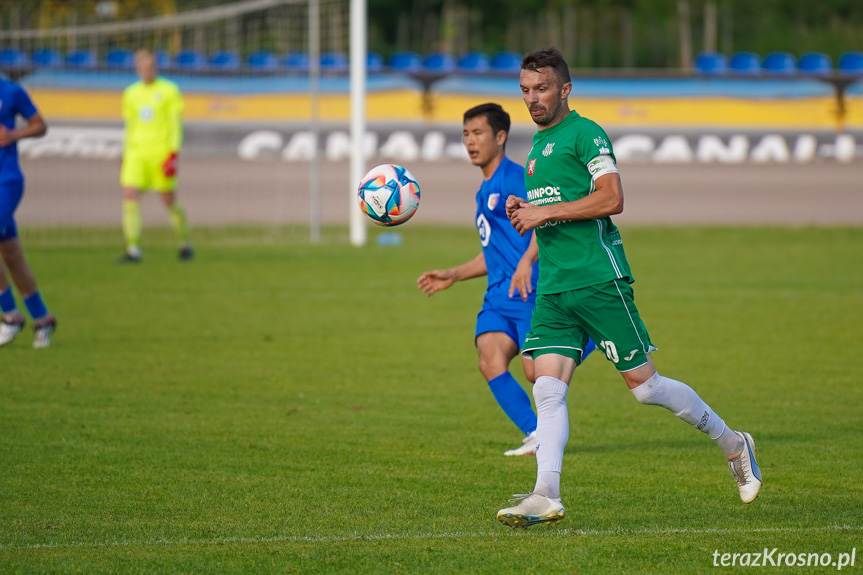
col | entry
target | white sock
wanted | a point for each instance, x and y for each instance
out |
(552, 433)
(683, 402)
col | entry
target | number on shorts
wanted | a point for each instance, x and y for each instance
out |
(610, 350)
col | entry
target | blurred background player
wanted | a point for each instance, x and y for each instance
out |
(152, 111)
(15, 102)
(509, 261)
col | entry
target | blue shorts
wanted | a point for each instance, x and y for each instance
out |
(509, 315)
(10, 197)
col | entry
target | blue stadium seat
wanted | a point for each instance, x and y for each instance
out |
(815, 64)
(296, 62)
(13, 57)
(851, 63)
(374, 63)
(334, 62)
(81, 59)
(745, 63)
(439, 63)
(47, 57)
(163, 59)
(473, 62)
(227, 60)
(190, 60)
(711, 64)
(779, 64)
(262, 61)
(506, 63)
(405, 62)
(118, 58)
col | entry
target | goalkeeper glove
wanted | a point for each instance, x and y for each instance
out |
(169, 167)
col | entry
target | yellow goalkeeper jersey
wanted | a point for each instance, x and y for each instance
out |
(153, 115)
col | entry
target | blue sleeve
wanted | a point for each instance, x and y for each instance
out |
(515, 182)
(23, 105)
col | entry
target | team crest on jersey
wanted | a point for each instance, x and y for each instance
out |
(549, 148)
(531, 167)
(492, 201)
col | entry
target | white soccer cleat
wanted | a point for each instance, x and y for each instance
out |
(10, 328)
(42, 333)
(745, 469)
(532, 509)
(528, 446)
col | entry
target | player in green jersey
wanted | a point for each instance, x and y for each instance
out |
(152, 112)
(584, 290)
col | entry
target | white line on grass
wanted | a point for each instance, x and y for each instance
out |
(407, 536)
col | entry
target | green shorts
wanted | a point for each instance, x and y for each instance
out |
(605, 312)
(144, 172)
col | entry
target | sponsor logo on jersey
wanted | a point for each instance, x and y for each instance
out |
(600, 142)
(549, 148)
(146, 113)
(531, 167)
(631, 355)
(484, 229)
(492, 201)
(604, 150)
(544, 195)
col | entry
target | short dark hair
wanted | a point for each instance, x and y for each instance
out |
(548, 58)
(497, 117)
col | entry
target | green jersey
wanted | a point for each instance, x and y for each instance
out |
(561, 167)
(153, 115)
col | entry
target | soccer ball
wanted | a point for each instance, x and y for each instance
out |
(389, 195)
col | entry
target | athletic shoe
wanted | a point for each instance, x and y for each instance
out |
(745, 469)
(9, 329)
(185, 254)
(42, 333)
(532, 509)
(129, 259)
(528, 446)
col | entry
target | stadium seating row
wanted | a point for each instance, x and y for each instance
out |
(229, 61)
(777, 64)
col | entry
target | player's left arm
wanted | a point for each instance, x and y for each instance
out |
(176, 121)
(521, 278)
(175, 126)
(606, 200)
(35, 126)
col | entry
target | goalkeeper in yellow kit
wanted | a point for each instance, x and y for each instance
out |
(152, 112)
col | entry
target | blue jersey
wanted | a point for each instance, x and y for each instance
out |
(14, 102)
(502, 246)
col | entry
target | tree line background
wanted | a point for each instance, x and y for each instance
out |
(591, 33)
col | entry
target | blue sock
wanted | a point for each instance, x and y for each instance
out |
(514, 401)
(36, 306)
(7, 301)
(588, 348)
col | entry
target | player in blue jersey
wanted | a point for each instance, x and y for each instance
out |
(509, 261)
(15, 102)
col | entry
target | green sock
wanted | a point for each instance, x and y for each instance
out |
(132, 224)
(179, 223)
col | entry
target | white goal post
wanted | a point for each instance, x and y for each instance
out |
(358, 18)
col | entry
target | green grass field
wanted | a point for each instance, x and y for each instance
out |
(276, 407)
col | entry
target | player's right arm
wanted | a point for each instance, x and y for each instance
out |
(437, 280)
